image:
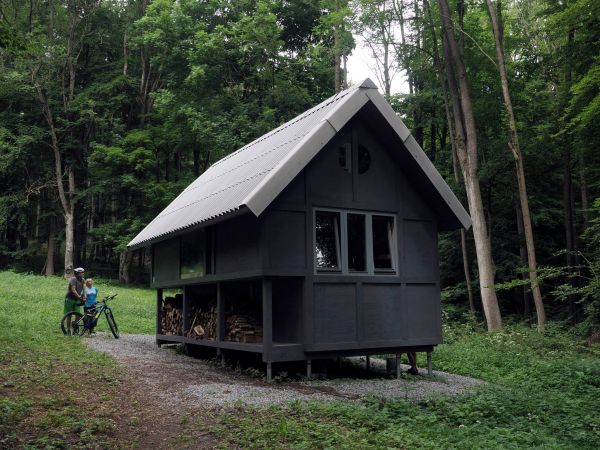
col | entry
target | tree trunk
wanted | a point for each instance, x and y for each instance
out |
(337, 53)
(568, 222)
(440, 69)
(466, 138)
(69, 244)
(38, 213)
(125, 53)
(196, 152)
(49, 267)
(518, 157)
(523, 255)
(125, 259)
(585, 205)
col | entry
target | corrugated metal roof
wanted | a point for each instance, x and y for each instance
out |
(256, 173)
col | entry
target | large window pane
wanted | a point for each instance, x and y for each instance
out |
(193, 255)
(357, 261)
(383, 239)
(327, 227)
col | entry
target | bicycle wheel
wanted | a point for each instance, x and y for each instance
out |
(72, 324)
(112, 323)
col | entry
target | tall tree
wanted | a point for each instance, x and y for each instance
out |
(515, 149)
(467, 150)
(54, 70)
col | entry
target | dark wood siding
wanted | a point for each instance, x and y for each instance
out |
(165, 262)
(237, 244)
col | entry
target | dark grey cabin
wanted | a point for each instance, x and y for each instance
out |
(323, 230)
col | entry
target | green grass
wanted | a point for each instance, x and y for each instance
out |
(542, 391)
(45, 400)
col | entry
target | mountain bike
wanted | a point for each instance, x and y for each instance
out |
(74, 323)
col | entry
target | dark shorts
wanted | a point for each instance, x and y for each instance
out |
(72, 305)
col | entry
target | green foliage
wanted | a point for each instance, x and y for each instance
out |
(540, 391)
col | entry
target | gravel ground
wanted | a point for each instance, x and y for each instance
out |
(179, 380)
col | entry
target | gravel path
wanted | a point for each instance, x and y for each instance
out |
(179, 380)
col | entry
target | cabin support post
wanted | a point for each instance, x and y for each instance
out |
(220, 315)
(267, 316)
(368, 363)
(159, 300)
(308, 368)
(429, 367)
(269, 372)
(186, 312)
(397, 365)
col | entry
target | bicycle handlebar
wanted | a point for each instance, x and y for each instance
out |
(109, 297)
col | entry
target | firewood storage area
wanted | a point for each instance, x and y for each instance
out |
(243, 312)
(201, 312)
(171, 315)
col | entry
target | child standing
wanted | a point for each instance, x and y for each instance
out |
(90, 304)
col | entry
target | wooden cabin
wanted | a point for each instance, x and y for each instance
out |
(316, 240)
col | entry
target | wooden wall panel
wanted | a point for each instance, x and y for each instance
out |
(423, 313)
(165, 262)
(382, 312)
(420, 251)
(237, 243)
(334, 313)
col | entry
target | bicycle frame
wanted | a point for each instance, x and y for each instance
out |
(97, 310)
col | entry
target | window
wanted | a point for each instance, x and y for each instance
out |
(357, 257)
(383, 242)
(327, 240)
(352, 242)
(193, 260)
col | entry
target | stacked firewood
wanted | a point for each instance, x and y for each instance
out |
(172, 317)
(243, 328)
(203, 323)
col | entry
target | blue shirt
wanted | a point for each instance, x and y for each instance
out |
(90, 299)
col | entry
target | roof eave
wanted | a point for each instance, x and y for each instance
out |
(203, 224)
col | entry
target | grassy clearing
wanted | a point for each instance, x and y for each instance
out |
(45, 377)
(543, 391)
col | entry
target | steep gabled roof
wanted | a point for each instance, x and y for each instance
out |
(253, 176)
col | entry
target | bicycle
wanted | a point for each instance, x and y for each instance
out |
(73, 323)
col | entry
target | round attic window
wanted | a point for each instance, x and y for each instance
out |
(364, 159)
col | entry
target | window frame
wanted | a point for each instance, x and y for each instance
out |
(342, 268)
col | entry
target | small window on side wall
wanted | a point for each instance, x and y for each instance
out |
(327, 240)
(383, 243)
(193, 255)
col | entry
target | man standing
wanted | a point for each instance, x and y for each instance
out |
(75, 294)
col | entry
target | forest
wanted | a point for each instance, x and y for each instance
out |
(109, 108)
